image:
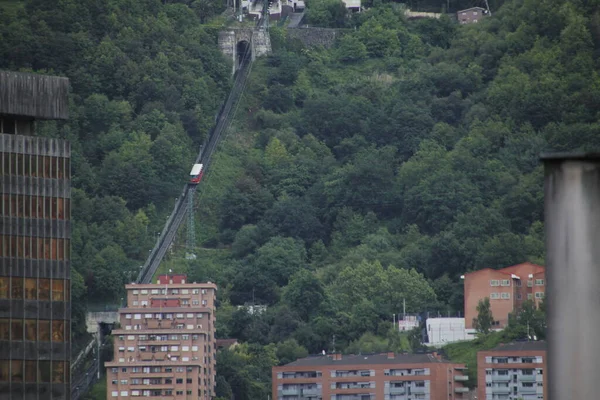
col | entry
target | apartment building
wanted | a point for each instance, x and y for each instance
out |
(35, 231)
(512, 371)
(471, 15)
(165, 346)
(507, 289)
(386, 376)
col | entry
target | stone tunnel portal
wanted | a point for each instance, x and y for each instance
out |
(244, 51)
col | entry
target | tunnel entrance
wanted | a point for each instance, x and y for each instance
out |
(244, 51)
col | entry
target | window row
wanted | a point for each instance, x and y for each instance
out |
(35, 247)
(152, 381)
(175, 326)
(16, 287)
(150, 393)
(35, 207)
(34, 371)
(148, 370)
(32, 329)
(184, 302)
(496, 296)
(172, 291)
(35, 166)
(500, 282)
(159, 338)
(163, 316)
(155, 349)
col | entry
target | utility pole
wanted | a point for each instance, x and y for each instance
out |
(404, 307)
(488, 8)
(98, 352)
(334, 344)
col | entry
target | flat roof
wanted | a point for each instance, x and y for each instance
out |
(539, 345)
(575, 156)
(365, 359)
(33, 96)
(196, 169)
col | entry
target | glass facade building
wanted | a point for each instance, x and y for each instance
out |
(35, 231)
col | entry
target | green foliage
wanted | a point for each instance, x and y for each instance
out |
(485, 320)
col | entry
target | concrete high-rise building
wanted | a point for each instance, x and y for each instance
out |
(165, 346)
(386, 376)
(507, 289)
(512, 371)
(35, 231)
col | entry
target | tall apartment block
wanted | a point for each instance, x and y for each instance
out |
(35, 231)
(512, 371)
(507, 289)
(385, 376)
(165, 346)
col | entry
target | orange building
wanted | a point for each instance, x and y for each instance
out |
(514, 370)
(507, 289)
(165, 347)
(386, 376)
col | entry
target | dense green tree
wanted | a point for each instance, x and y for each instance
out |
(484, 321)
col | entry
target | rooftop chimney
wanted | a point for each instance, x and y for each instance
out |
(390, 355)
(572, 220)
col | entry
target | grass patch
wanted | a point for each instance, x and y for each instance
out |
(466, 352)
(98, 391)
(11, 6)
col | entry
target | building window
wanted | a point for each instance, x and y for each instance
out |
(505, 282)
(179, 380)
(494, 282)
(539, 282)
(115, 393)
(31, 330)
(506, 295)
(529, 283)
(529, 296)
(494, 296)
(519, 296)
(31, 371)
(539, 295)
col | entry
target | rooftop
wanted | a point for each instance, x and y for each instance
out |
(366, 359)
(522, 346)
(33, 96)
(512, 269)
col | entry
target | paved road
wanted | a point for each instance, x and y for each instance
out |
(295, 19)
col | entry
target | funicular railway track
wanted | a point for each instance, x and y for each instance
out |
(224, 118)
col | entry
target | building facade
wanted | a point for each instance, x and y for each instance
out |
(512, 371)
(471, 15)
(507, 289)
(370, 377)
(35, 231)
(165, 346)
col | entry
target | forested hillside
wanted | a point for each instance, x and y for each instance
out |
(383, 169)
(353, 179)
(147, 80)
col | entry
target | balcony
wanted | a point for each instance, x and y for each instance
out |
(310, 392)
(526, 378)
(397, 390)
(461, 390)
(500, 378)
(501, 390)
(290, 392)
(461, 378)
(527, 389)
(417, 390)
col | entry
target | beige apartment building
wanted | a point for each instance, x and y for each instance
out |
(165, 346)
